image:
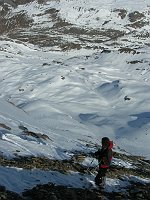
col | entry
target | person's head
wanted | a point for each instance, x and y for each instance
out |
(105, 142)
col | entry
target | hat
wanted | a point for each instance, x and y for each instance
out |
(105, 141)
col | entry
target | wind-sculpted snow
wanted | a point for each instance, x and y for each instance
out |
(72, 72)
(73, 97)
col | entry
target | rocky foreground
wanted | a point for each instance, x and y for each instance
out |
(136, 190)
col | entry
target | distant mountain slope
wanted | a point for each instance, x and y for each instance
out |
(90, 25)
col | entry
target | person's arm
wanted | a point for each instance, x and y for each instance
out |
(97, 153)
(100, 154)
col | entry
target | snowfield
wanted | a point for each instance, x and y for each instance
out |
(71, 98)
(54, 102)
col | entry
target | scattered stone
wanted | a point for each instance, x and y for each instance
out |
(127, 50)
(121, 13)
(45, 64)
(82, 68)
(4, 126)
(22, 127)
(106, 22)
(135, 61)
(126, 98)
(21, 89)
(106, 51)
(35, 135)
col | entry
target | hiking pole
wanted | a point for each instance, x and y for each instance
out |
(94, 168)
(90, 164)
(88, 169)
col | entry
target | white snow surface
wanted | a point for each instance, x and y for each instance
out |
(86, 105)
(82, 108)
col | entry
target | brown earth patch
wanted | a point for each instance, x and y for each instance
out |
(33, 134)
(140, 166)
(138, 24)
(5, 126)
(13, 23)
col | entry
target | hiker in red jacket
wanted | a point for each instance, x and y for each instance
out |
(104, 156)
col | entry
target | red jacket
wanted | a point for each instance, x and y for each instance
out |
(104, 155)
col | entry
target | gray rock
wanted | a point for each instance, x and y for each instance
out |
(9, 2)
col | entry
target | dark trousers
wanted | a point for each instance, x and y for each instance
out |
(100, 177)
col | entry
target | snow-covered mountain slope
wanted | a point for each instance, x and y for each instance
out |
(71, 97)
(72, 72)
